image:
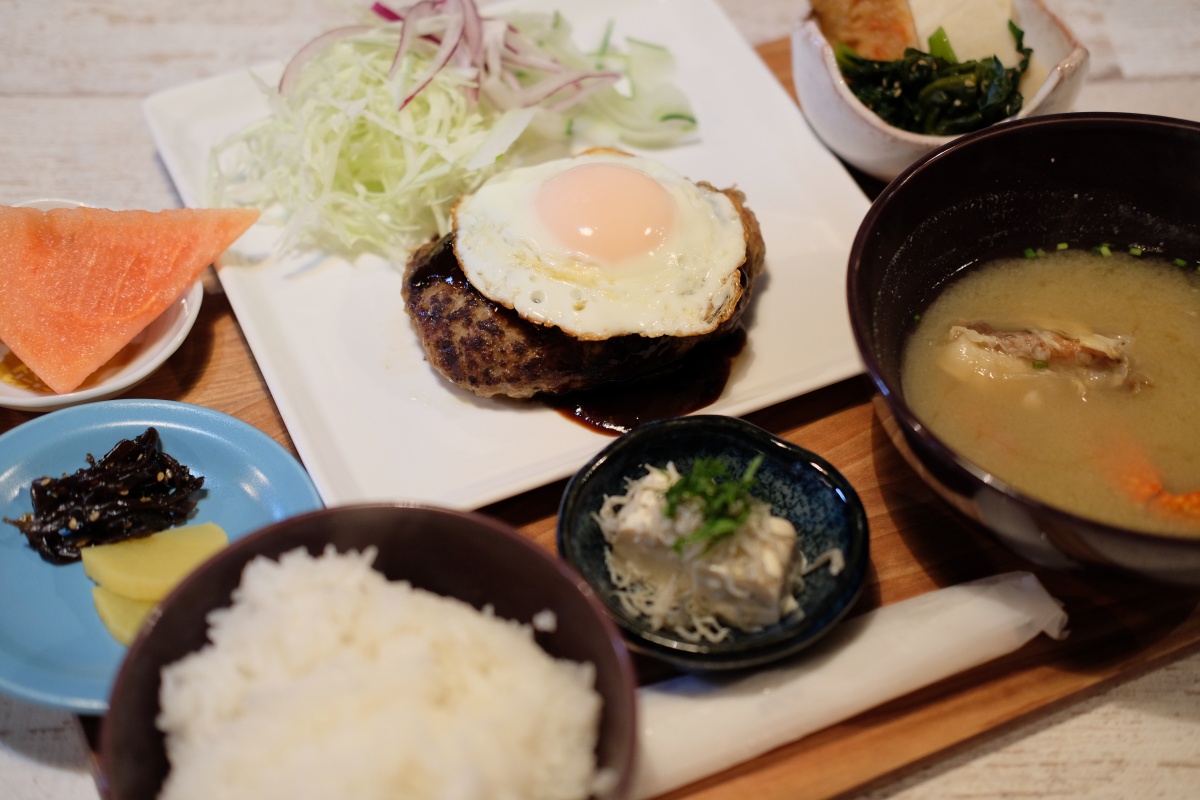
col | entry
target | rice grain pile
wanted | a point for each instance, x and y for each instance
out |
(325, 680)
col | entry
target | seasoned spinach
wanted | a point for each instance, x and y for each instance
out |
(935, 94)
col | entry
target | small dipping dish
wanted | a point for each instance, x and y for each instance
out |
(800, 486)
(22, 391)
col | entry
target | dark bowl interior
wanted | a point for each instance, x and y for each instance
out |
(458, 554)
(1124, 179)
(799, 485)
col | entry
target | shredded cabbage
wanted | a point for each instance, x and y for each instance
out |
(345, 170)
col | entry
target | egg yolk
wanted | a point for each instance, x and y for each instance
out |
(606, 212)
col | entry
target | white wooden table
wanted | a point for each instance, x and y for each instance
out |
(72, 76)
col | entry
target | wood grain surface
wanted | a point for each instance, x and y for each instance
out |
(1119, 628)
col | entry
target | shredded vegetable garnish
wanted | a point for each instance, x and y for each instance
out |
(376, 130)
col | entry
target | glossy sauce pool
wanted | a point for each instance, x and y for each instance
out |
(693, 382)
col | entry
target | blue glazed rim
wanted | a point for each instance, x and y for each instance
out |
(799, 484)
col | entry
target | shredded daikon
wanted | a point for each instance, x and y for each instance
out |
(374, 134)
(747, 581)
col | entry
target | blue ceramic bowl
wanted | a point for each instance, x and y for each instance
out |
(799, 485)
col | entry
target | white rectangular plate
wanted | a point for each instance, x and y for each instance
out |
(372, 421)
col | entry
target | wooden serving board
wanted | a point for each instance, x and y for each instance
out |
(1119, 628)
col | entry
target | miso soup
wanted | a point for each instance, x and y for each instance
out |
(1073, 377)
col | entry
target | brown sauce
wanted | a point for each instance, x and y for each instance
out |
(688, 385)
(440, 267)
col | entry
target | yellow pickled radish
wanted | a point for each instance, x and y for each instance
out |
(123, 616)
(148, 568)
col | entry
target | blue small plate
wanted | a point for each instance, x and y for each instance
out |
(54, 650)
(799, 485)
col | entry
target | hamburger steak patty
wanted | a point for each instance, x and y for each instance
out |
(490, 350)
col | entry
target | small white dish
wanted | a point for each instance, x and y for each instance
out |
(863, 140)
(21, 391)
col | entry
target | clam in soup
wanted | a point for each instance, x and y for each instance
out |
(1073, 377)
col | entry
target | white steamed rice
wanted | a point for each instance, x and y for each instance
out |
(325, 680)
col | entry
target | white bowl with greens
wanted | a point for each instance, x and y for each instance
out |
(881, 148)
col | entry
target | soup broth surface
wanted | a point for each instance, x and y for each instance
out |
(1107, 428)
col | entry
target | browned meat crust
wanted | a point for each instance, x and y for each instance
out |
(490, 350)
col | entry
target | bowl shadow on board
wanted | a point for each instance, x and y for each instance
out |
(453, 553)
(180, 373)
(1126, 179)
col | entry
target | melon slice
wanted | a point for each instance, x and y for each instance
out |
(77, 284)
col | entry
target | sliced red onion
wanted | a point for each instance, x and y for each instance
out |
(521, 52)
(305, 54)
(472, 37)
(387, 13)
(493, 49)
(494, 31)
(415, 14)
(548, 87)
(451, 39)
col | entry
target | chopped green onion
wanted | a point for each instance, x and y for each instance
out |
(1104, 250)
(1030, 252)
(1135, 251)
(726, 503)
(1061, 246)
(1041, 364)
(1179, 262)
(605, 42)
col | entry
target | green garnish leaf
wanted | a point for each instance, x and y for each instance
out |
(726, 502)
(606, 41)
(939, 46)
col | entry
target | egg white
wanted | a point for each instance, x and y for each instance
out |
(687, 286)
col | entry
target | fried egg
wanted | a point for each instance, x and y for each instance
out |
(602, 245)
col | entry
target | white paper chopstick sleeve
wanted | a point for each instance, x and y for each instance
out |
(695, 726)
